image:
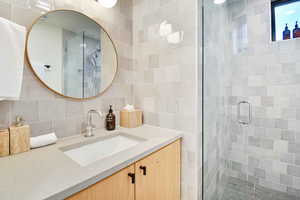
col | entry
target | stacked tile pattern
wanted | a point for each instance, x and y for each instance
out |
(263, 158)
(166, 76)
(43, 110)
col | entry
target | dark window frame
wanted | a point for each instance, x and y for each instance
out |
(275, 4)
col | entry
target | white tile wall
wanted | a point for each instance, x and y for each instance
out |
(166, 77)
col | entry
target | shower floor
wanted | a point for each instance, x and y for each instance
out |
(237, 189)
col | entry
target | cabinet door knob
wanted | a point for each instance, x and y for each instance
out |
(132, 176)
(144, 168)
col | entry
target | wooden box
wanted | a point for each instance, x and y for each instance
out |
(131, 119)
(4, 143)
(19, 139)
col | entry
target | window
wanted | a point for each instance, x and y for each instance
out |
(285, 15)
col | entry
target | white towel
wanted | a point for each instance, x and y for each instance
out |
(12, 48)
(43, 140)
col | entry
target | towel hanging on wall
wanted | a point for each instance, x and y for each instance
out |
(12, 50)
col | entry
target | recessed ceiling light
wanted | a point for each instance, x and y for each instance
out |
(219, 1)
(107, 3)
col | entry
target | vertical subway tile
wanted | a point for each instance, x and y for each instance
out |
(286, 179)
(260, 173)
(5, 110)
(281, 123)
(53, 109)
(153, 61)
(281, 146)
(267, 101)
(293, 170)
(27, 109)
(294, 147)
(5, 10)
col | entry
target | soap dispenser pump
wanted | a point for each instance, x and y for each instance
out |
(286, 33)
(296, 31)
(110, 120)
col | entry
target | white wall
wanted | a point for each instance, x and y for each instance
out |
(46, 39)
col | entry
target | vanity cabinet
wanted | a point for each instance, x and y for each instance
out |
(116, 187)
(158, 175)
(155, 177)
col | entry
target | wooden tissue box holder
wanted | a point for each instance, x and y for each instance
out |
(4, 143)
(19, 139)
(131, 119)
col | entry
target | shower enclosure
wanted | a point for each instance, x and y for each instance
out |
(82, 64)
(251, 104)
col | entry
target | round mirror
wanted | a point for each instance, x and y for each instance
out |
(71, 54)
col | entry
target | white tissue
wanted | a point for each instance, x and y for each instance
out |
(165, 29)
(129, 108)
(175, 38)
(43, 140)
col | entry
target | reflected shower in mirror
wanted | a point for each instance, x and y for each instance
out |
(78, 59)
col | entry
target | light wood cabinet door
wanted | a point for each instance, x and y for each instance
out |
(116, 187)
(158, 175)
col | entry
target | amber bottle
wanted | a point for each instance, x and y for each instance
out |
(110, 120)
(296, 31)
(286, 33)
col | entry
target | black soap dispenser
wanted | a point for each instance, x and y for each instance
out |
(296, 31)
(286, 33)
(110, 120)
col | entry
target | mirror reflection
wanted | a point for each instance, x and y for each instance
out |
(78, 59)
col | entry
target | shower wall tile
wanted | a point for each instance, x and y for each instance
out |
(293, 170)
(287, 158)
(47, 112)
(294, 148)
(293, 191)
(286, 180)
(297, 160)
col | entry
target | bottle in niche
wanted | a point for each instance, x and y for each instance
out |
(286, 33)
(110, 120)
(296, 31)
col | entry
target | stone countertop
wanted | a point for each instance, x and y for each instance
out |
(48, 174)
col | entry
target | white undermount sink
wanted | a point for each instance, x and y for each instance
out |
(87, 153)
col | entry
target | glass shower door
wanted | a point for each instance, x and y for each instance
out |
(217, 119)
(73, 64)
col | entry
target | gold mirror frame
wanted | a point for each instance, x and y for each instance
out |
(48, 87)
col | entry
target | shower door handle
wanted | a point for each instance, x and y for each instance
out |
(239, 118)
